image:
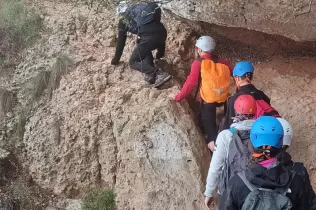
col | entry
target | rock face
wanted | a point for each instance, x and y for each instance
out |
(105, 127)
(106, 131)
(280, 17)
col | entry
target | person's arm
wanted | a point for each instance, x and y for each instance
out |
(229, 113)
(312, 197)
(218, 162)
(302, 196)
(191, 81)
(227, 200)
(122, 35)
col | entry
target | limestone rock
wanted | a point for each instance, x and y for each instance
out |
(292, 19)
(134, 139)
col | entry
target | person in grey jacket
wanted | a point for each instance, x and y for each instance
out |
(245, 108)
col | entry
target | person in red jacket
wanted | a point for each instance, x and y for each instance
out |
(205, 46)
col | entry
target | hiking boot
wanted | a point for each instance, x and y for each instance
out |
(150, 79)
(162, 78)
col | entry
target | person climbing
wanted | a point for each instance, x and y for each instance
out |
(243, 75)
(214, 75)
(227, 160)
(144, 20)
(286, 159)
(266, 183)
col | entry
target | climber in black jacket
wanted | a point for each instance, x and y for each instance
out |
(286, 159)
(151, 35)
(243, 75)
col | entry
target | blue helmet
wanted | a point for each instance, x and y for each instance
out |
(241, 68)
(266, 131)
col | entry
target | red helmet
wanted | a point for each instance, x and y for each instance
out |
(245, 104)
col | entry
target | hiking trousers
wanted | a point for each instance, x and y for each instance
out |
(207, 119)
(142, 58)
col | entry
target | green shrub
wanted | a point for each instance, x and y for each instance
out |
(19, 22)
(19, 28)
(100, 200)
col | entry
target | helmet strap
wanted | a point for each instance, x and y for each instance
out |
(265, 152)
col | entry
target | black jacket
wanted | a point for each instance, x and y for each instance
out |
(154, 31)
(246, 89)
(287, 161)
(278, 176)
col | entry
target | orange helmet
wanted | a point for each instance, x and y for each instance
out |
(245, 104)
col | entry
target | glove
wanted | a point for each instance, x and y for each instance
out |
(114, 61)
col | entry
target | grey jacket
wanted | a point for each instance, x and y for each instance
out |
(220, 156)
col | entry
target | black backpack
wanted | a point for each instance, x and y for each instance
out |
(298, 168)
(140, 14)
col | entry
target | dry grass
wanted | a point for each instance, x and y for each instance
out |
(40, 83)
(61, 67)
(21, 193)
(14, 139)
(7, 102)
(35, 87)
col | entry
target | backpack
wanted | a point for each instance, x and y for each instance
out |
(265, 109)
(266, 199)
(140, 14)
(238, 156)
(214, 81)
(298, 168)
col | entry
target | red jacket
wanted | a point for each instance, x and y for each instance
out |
(193, 78)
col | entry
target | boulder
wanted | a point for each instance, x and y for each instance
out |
(135, 140)
(292, 19)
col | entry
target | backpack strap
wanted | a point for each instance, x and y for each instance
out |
(253, 187)
(287, 187)
(199, 80)
(298, 167)
(233, 130)
(250, 186)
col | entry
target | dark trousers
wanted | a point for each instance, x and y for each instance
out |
(142, 58)
(207, 119)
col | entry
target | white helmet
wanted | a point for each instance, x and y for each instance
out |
(206, 43)
(288, 131)
(122, 7)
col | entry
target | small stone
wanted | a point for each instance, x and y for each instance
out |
(90, 58)
(4, 154)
